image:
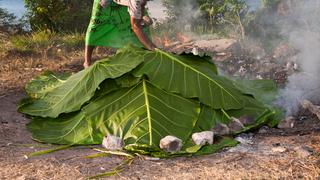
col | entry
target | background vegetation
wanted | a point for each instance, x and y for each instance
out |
(208, 16)
(59, 15)
(55, 22)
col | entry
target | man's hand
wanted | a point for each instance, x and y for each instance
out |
(143, 38)
(146, 21)
(104, 3)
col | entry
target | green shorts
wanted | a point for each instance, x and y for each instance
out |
(111, 27)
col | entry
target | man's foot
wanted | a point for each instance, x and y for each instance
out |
(86, 65)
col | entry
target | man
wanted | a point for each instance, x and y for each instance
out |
(116, 23)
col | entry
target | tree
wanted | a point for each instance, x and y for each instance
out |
(9, 22)
(211, 14)
(59, 15)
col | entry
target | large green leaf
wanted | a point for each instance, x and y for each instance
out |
(143, 96)
(69, 129)
(44, 83)
(192, 77)
(70, 95)
(141, 115)
(263, 90)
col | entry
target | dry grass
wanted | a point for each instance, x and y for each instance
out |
(18, 65)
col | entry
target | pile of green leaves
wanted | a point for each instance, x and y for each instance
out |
(142, 96)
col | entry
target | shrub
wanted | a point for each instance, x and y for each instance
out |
(59, 15)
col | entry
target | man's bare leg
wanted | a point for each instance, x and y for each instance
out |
(88, 56)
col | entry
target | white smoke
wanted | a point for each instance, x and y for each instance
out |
(302, 27)
(186, 12)
(157, 10)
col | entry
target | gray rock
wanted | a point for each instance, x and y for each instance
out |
(112, 143)
(311, 107)
(171, 144)
(247, 120)
(235, 125)
(304, 151)
(245, 138)
(220, 129)
(264, 130)
(203, 137)
(287, 123)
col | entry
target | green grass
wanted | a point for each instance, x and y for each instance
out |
(43, 40)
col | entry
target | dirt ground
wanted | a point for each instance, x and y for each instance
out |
(267, 154)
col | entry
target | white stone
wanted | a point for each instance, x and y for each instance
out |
(112, 143)
(195, 51)
(171, 144)
(203, 137)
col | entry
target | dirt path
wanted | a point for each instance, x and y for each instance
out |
(273, 154)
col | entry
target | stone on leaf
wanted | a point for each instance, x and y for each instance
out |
(112, 143)
(203, 138)
(220, 129)
(235, 125)
(171, 144)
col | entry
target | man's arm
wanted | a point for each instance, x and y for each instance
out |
(138, 30)
(137, 8)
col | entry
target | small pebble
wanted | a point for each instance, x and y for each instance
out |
(264, 130)
(287, 123)
(195, 51)
(152, 159)
(245, 138)
(304, 151)
(279, 149)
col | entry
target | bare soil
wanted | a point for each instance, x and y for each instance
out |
(272, 154)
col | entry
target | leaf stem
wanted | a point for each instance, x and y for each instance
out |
(38, 153)
(226, 114)
(148, 110)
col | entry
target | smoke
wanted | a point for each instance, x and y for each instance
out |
(189, 12)
(299, 25)
(157, 10)
(302, 29)
(185, 12)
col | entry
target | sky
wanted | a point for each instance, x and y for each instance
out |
(13, 6)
